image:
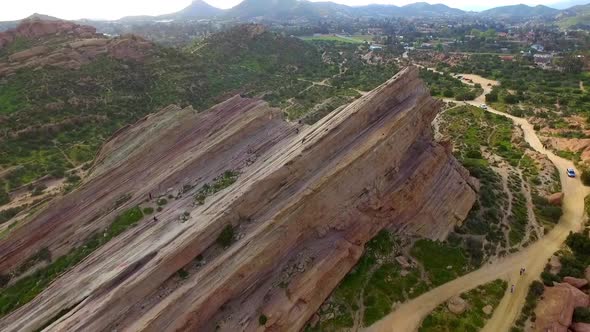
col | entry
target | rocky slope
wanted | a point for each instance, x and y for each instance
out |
(305, 202)
(63, 44)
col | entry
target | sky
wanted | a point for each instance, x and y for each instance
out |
(114, 9)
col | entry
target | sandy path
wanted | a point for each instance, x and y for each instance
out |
(408, 316)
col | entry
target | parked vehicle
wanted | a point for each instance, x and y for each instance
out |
(483, 106)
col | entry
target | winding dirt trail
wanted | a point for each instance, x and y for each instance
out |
(408, 316)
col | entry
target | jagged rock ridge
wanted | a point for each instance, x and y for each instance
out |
(305, 203)
(66, 45)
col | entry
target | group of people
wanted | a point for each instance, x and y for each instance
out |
(521, 272)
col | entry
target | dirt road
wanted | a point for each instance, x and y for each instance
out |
(408, 316)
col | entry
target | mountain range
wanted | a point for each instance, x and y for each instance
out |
(297, 9)
(290, 9)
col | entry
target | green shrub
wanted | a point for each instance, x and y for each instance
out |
(4, 197)
(182, 274)
(162, 201)
(226, 237)
(148, 210)
(262, 319)
(582, 315)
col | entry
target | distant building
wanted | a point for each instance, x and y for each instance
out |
(376, 47)
(507, 58)
(538, 47)
(543, 59)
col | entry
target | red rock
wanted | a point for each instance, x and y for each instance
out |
(555, 310)
(587, 273)
(580, 327)
(576, 282)
(555, 198)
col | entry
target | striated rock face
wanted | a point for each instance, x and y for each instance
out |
(556, 308)
(35, 28)
(576, 282)
(71, 46)
(306, 201)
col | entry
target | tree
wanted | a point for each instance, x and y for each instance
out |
(492, 97)
(571, 64)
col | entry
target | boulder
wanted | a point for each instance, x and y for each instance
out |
(27, 54)
(488, 309)
(580, 327)
(576, 282)
(587, 273)
(555, 199)
(403, 262)
(556, 308)
(457, 305)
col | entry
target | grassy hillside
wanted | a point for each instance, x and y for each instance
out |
(53, 120)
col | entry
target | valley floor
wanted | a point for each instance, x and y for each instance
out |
(408, 316)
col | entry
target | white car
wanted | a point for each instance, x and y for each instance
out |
(484, 106)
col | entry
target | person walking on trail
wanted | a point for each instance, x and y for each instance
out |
(512, 289)
(155, 219)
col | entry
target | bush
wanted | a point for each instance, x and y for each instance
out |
(162, 201)
(262, 319)
(549, 278)
(582, 315)
(226, 238)
(182, 274)
(148, 210)
(4, 197)
(585, 177)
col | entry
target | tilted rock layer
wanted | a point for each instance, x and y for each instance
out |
(69, 46)
(306, 201)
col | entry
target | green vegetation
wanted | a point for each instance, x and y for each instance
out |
(219, 183)
(262, 319)
(442, 262)
(333, 38)
(226, 237)
(55, 119)
(581, 315)
(444, 85)
(148, 210)
(26, 288)
(474, 318)
(182, 274)
(161, 201)
(376, 281)
(536, 289)
(522, 83)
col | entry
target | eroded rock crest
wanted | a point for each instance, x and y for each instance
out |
(306, 201)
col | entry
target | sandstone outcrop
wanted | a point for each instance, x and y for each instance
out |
(457, 305)
(556, 308)
(555, 199)
(35, 28)
(580, 327)
(66, 45)
(576, 282)
(307, 199)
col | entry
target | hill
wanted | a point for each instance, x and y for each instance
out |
(575, 17)
(231, 219)
(63, 93)
(520, 11)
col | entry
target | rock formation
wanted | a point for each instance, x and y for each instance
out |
(576, 282)
(457, 305)
(555, 310)
(306, 201)
(35, 28)
(70, 46)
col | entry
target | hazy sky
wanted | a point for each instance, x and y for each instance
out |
(114, 9)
